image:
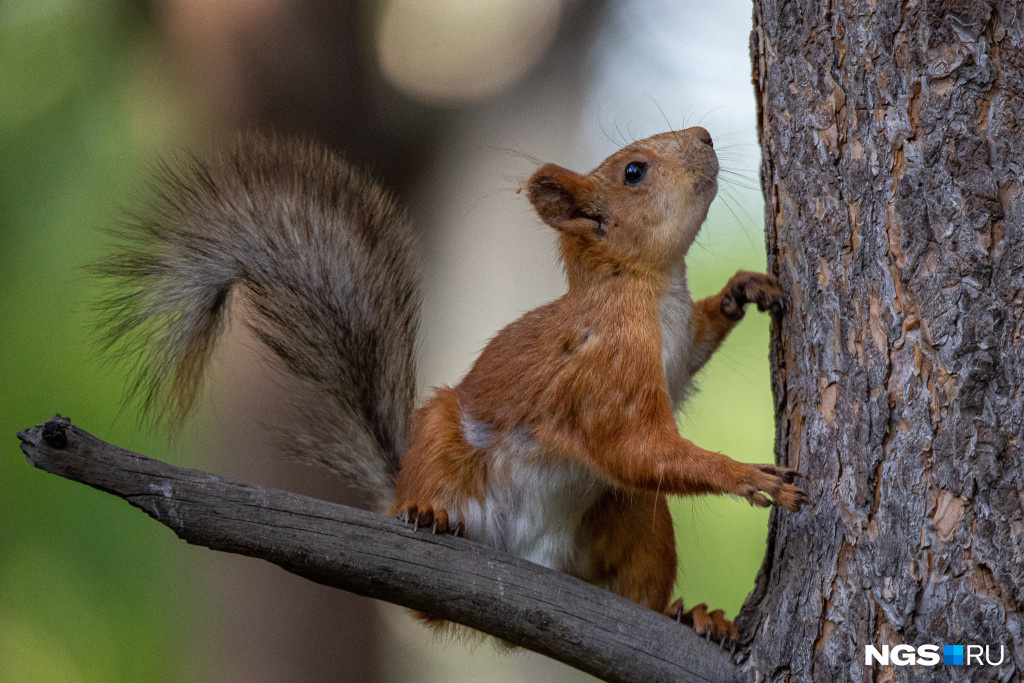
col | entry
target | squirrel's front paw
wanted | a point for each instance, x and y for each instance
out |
(757, 288)
(712, 625)
(767, 485)
(424, 516)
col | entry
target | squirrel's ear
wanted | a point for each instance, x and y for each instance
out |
(563, 198)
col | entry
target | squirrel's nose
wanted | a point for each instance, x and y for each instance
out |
(703, 135)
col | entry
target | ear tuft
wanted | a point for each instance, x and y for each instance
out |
(560, 195)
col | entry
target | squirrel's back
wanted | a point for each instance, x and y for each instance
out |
(323, 258)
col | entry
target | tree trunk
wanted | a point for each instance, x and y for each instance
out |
(893, 142)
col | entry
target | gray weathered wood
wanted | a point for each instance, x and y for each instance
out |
(893, 141)
(451, 578)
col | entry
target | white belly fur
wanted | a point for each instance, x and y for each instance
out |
(534, 503)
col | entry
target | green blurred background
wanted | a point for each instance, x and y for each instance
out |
(88, 591)
(92, 92)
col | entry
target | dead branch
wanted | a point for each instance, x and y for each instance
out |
(358, 551)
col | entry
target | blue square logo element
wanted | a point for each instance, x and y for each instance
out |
(953, 655)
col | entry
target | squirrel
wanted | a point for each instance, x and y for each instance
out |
(560, 445)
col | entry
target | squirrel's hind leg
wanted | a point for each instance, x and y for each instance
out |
(441, 472)
(632, 546)
(633, 553)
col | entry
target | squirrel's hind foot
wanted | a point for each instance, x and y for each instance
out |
(712, 625)
(425, 516)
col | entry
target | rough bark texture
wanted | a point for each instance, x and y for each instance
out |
(451, 578)
(893, 142)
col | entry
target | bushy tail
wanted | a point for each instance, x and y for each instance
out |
(324, 260)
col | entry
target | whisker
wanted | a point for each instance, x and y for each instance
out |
(728, 202)
(619, 131)
(731, 145)
(604, 131)
(739, 179)
(671, 128)
(729, 198)
(735, 165)
(747, 174)
(750, 182)
(661, 111)
(708, 113)
(729, 207)
(516, 153)
(740, 184)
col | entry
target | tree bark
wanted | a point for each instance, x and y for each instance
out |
(892, 143)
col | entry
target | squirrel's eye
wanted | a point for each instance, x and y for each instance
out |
(635, 172)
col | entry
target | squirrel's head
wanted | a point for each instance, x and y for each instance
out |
(639, 210)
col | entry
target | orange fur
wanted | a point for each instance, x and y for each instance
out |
(582, 380)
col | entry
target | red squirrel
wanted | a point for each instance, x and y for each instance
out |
(560, 445)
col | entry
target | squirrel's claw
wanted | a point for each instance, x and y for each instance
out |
(770, 485)
(712, 625)
(424, 516)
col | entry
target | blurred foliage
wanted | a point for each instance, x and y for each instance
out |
(79, 116)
